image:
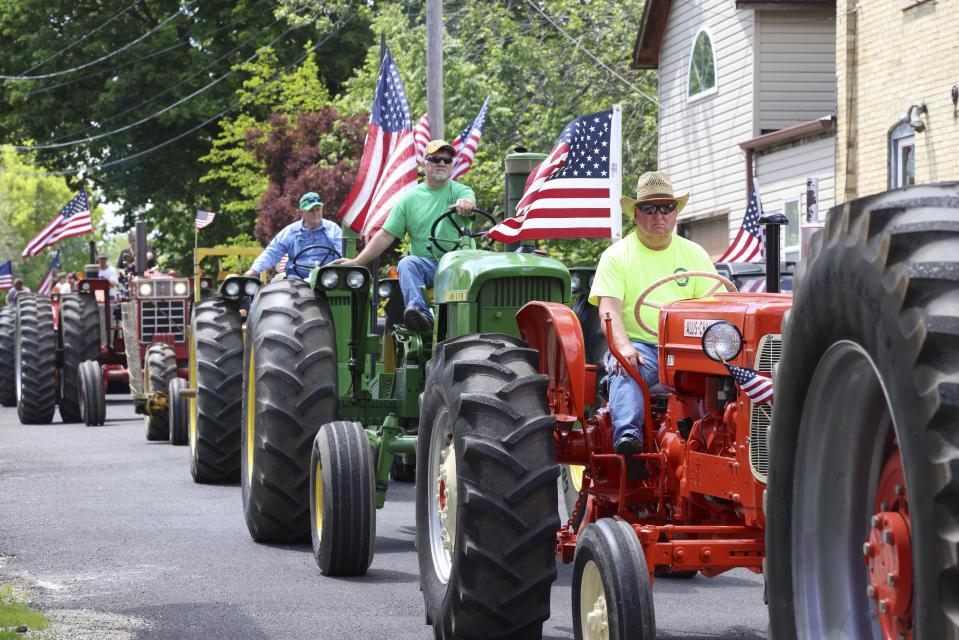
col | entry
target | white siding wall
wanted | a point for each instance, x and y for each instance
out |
(699, 140)
(796, 68)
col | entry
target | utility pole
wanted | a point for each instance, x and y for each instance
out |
(434, 66)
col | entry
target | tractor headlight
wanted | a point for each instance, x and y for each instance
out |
(146, 289)
(180, 288)
(575, 283)
(384, 290)
(204, 283)
(84, 286)
(232, 288)
(250, 288)
(330, 279)
(355, 279)
(722, 341)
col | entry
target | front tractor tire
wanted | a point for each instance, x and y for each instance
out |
(93, 403)
(863, 492)
(486, 500)
(159, 370)
(35, 359)
(79, 337)
(289, 390)
(342, 499)
(8, 330)
(215, 422)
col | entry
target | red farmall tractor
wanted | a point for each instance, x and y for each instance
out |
(844, 495)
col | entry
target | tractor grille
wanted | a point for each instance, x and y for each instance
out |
(514, 292)
(162, 316)
(769, 353)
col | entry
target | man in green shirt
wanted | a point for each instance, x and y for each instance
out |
(415, 214)
(625, 270)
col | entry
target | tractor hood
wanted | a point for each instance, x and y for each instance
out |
(461, 274)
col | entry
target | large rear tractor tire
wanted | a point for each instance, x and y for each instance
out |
(8, 331)
(486, 500)
(863, 492)
(179, 412)
(35, 359)
(79, 337)
(159, 370)
(93, 403)
(215, 421)
(342, 499)
(289, 390)
(612, 593)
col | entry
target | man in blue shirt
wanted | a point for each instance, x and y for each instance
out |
(312, 229)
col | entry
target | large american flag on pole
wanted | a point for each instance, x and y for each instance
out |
(73, 220)
(757, 385)
(46, 286)
(750, 242)
(467, 142)
(388, 165)
(574, 192)
(6, 275)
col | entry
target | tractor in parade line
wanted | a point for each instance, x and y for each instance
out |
(843, 494)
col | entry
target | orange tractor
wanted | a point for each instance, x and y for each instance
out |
(844, 495)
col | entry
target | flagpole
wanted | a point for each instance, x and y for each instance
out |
(92, 243)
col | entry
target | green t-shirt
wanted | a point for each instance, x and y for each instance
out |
(628, 267)
(419, 208)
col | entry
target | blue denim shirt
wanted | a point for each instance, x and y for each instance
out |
(293, 238)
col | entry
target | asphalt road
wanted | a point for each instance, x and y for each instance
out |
(109, 534)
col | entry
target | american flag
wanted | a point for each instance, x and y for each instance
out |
(73, 220)
(6, 275)
(466, 143)
(574, 192)
(203, 218)
(421, 136)
(758, 386)
(281, 265)
(750, 242)
(388, 165)
(46, 286)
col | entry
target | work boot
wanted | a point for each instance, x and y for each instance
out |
(628, 445)
(416, 320)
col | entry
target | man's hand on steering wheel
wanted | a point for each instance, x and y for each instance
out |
(464, 207)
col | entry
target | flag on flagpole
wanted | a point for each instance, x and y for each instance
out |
(46, 286)
(73, 220)
(203, 218)
(421, 137)
(388, 165)
(757, 385)
(750, 242)
(6, 275)
(574, 192)
(467, 142)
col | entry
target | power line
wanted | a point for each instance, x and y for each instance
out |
(104, 57)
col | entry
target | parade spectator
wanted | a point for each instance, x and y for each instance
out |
(17, 289)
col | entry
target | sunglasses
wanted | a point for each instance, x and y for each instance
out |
(650, 209)
(313, 199)
(439, 159)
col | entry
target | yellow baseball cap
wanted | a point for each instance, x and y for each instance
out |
(435, 145)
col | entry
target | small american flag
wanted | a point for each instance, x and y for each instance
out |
(46, 286)
(388, 165)
(758, 386)
(421, 136)
(281, 265)
(73, 220)
(466, 143)
(750, 242)
(204, 218)
(6, 275)
(574, 192)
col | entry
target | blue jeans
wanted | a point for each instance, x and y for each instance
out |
(626, 408)
(416, 273)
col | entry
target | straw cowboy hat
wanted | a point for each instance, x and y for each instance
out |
(652, 186)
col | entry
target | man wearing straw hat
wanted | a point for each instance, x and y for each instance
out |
(625, 270)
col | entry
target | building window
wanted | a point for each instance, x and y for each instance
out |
(902, 157)
(791, 237)
(712, 234)
(702, 66)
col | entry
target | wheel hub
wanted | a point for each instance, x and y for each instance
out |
(597, 620)
(446, 495)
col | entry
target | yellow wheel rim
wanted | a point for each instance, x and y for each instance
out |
(593, 616)
(250, 415)
(193, 385)
(318, 500)
(576, 476)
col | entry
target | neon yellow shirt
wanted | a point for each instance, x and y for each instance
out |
(419, 208)
(628, 267)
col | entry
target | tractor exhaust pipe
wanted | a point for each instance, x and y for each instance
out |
(773, 221)
(140, 264)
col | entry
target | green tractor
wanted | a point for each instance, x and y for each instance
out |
(331, 400)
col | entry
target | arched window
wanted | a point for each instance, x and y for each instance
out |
(702, 66)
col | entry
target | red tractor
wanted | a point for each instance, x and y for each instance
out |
(844, 495)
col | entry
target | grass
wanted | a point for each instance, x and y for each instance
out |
(15, 612)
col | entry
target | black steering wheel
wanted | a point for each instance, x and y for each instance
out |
(464, 232)
(305, 267)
